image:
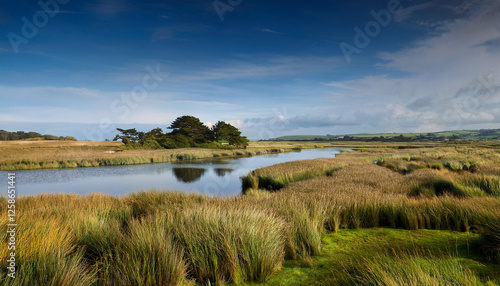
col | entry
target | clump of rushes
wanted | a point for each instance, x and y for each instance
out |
(147, 203)
(147, 256)
(489, 228)
(489, 184)
(96, 234)
(230, 245)
(45, 255)
(276, 177)
(304, 225)
(440, 187)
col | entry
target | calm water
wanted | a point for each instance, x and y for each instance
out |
(217, 176)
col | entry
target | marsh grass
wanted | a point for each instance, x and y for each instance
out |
(45, 255)
(441, 187)
(148, 255)
(32, 155)
(148, 203)
(232, 245)
(151, 238)
(490, 233)
(409, 269)
(276, 177)
(489, 184)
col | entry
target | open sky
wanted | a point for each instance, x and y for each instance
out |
(271, 68)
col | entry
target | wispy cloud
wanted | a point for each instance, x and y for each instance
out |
(49, 91)
(177, 31)
(266, 66)
(271, 31)
(410, 11)
(109, 7)
(206, 103)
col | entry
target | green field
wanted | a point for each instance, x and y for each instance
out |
(489, 134)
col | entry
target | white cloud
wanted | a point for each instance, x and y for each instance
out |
(451, 79)
(49, 91)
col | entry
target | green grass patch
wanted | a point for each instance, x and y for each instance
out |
(349, 248)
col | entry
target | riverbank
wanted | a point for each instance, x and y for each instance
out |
(32, 155)
(414, 218)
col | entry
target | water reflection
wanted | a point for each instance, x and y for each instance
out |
(221, 172)
(188, 175)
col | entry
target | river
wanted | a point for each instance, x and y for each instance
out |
(215, 176)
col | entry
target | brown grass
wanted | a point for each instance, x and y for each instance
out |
(246, 238)
(26, 155)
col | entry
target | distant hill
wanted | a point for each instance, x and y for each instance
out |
(21, 135)
(483, 134)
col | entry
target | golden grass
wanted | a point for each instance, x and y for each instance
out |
(29, 155)
(173, 238)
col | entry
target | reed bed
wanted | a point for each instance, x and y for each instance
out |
(169, 238)
(32, 155)
(276, 177)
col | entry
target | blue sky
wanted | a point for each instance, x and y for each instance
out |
(271, 68)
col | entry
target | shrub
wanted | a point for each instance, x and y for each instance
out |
(151, 144)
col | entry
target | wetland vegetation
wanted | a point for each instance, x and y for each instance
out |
(425, 215)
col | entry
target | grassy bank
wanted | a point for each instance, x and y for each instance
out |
(341, 221)
(32, 155)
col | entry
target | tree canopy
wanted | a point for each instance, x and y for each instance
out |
(192, 128)
(130, 134)
(223, 131)
(187, 131)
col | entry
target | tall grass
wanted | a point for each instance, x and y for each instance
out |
(489, 184)
(151, 238)
(489, 228)
(45, 255)
(147, 256)
(407, 269)
(276, 177)
(231, 245)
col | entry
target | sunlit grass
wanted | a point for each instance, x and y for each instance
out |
(170, 238)
(31, 155)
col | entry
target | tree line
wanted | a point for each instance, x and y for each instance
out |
(21, 135)
(187, 131)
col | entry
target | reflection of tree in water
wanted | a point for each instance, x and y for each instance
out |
(188, 175)
(221, 172)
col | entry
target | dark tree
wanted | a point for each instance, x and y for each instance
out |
(131, 134)
(155, 134)
(192, 128)
(226, 132)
